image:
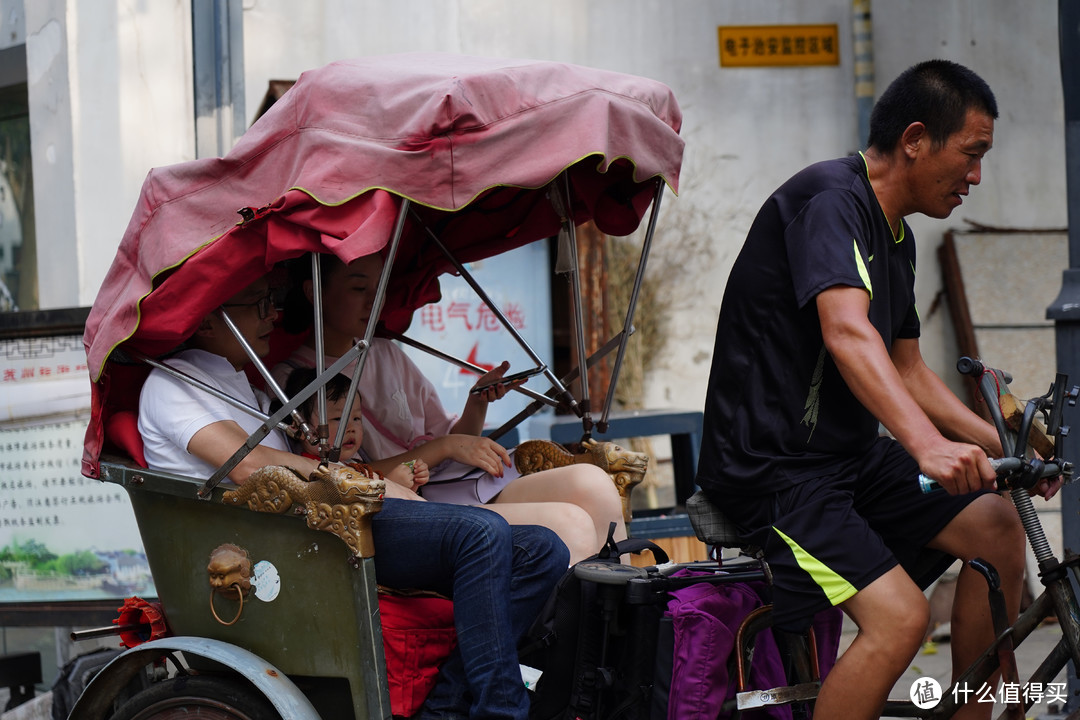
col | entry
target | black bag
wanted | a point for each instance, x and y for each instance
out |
(75, 676)
(581, 644)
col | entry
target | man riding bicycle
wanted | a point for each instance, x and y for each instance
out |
(817, 345)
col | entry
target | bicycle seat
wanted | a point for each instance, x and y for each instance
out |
(711, 526)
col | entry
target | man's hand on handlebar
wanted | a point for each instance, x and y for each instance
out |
(1013, 473)
(958, 467)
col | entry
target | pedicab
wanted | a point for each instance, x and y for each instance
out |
(433, 160)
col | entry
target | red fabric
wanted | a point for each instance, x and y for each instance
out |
(122, 431)
(418, 635)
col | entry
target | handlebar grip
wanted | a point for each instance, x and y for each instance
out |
(928, 484)
(969, 366)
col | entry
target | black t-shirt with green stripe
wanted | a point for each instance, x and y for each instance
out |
(777, 410)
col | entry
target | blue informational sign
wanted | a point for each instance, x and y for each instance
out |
(460, 324)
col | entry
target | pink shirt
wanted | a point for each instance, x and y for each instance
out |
(401, 408)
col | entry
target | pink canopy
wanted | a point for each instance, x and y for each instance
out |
(473, 142)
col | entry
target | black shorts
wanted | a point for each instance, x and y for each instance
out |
(828, 538)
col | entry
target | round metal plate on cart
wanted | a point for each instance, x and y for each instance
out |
(266, 580)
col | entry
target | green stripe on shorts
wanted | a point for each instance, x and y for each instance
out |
(836, 588)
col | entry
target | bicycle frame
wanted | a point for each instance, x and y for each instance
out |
(1058, 598)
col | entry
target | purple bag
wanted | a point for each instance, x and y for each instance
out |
(705, 618)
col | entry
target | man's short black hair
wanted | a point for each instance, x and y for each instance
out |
(937, 93)
(336, 388)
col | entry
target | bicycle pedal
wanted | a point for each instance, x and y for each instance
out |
(777, 696)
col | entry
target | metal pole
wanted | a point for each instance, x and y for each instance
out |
(322, 433)
(863, 32)
(373, 319)
(575, 285)
(628, 321)
(464, 365)
(217, 42)
(1065, 310)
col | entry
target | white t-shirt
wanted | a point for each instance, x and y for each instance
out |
(172, 411)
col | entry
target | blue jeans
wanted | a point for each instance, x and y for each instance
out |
(498, 576)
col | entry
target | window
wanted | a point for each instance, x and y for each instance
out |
(18, 250)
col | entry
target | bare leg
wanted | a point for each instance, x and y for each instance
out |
(892, 615)
(988, 528)
(586, 486)
(570, 522)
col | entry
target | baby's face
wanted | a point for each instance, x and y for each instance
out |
(354, 429)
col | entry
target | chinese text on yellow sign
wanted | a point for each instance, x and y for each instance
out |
(769, 45)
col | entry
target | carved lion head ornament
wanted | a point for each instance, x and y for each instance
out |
(335, 499)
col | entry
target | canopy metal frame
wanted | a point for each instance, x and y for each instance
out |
(558, 395)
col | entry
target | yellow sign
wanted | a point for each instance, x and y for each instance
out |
(770, 45)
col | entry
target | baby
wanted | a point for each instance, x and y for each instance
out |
(411, 475)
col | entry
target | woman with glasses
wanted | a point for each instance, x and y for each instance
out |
(173, 419)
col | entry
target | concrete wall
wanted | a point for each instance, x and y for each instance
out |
(747, 129)
(111, 97)
(12, 24)
(1015, 48)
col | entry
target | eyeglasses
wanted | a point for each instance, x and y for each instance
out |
(264, 305)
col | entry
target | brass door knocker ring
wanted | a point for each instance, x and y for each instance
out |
(232, 590)
(230, 575)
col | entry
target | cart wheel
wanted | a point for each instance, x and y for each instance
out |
(198, 697)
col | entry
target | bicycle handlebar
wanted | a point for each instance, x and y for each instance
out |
(973, 368)
(1015, 471)
(1006, 467)
(969, 366)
